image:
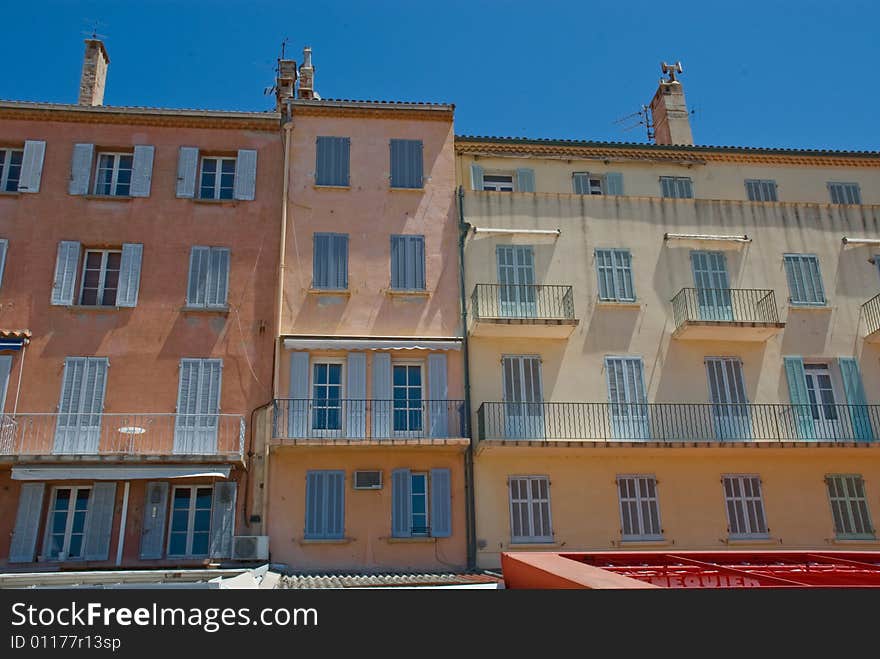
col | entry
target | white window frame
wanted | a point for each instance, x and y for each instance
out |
(530, 502)
(114, 177)
(6, 164)
(596, 183)
(327, 432)
(844, 190)
(677, 183)
(422, 407)
(765, 188)
(639, 501)
(217, 174)
(749, 505)
(102, 278)
(427, 497)
(846, 505)
(190, 523)
(68, 530)
(499, 186)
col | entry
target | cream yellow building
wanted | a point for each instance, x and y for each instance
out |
(671, 345)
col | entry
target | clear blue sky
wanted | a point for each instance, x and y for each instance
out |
(777, 74)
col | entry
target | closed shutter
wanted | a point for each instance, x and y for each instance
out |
(99, 522)
(81, 168)
(401, 503)
(356, 394)
(614, 272)
(66, 265)
(525, 180)
(298, 412)
(78, 424)
(31, 166)
(408, 262)
(4, 248)
(407, 164)
(197, 286)
(222, 519)
(27, 523)
(613, 184)
(581, 182)
(667, 187)
(129, 275)
(330, 265)
(153, 526)
(441, 503)
(332, 161)
(804, 279)
(325, 505)
(141, 171)
(245, 183)
(339, 273)
(198, 406)
(7, 430)
(800, 400)
(476, 177)
(187, 166)
(438, 412)
(218, 277)
(855, 398)
(381, 395)
(321, 261)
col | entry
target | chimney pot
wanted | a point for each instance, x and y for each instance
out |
(94, 73)
(307, 76)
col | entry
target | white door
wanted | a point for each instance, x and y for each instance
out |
(626, 395)
(712, 284)
(78, 428)
(823, 408)
(198, 407)
(730, 407)
(516, 279)
(523, 397)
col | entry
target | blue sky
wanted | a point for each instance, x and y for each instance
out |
(774, 74)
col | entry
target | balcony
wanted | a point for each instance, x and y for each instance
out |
(677, 423)
(725, 314)
(530, 311)
(871, 312)
(316, 421)
(123, 437)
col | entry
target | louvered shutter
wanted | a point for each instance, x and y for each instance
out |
(298, 412)
(31, 166)
(605, 274)
(99, 522)
(197, 285)
(401, 503)
(27, 523)
(4, 248)
(315, 504)
(855, 398)
(325, 505)
(804, 279)
(187, 167)
(438, 412)
(222, 519)
(667, 187)
(407, 167)
(407, 262)
(335, 525)
(7, 426)
(141, 171)
(525, 180)
(129, 275)
(476, 177)
(153, 526)
(321, 261)
(613, 184)
(381, 395)
(797, 391)
(81, 168)
(356, 394)
(218, 277)
(441, 503)
(332, 156)
(245, 183)
(339, 261)
(581, 182)
(66, 265)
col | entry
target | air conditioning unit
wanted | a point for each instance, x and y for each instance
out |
(250, 547)
(368, 480)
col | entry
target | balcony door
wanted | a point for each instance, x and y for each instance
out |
(78, 426)
(198, 407)
(516, 279)
(523, 396)
(823, 407)
(626, 395)
(712, 284)
(326, 408)
(730, 407)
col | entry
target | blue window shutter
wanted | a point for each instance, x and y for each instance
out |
(605, 274)
(855, 398)
(356, 394)
(407, 166)
(332, 159)
(438, 394)
(314, 503)
(417, 245)
(398, 262)
(197, 285)
(99, 522)
(187, 167)
(325, 504)
(153, 526)
(321, 261)
(245, 183)
(66, 266)
(408, 262)
(614, 183)
(525, 180)
(580, 182)
(27, 523)
(401, 503)
(339, 276)
(476, 177)
(218, 277)
(381, 395)
(129, 275)
(141, 171)
(4, 248)
(800, 400)
(81, 169)
(32, 166)
(298, 411)
(335, 525)
(441, 503)
(222, 519)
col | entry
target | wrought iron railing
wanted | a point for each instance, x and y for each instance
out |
(871, 310)
(333, 418)
(122, 434)
(535, 301)
(740, 305)
(678, 422)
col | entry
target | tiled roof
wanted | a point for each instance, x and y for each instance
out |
(15, 334)
(139, 109)
(385, 580)
(402, 105)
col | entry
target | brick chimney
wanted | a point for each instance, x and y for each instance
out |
(669, 111)
(284, 84)
(307, 76)
(94, 73)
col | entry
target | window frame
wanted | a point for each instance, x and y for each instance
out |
(68, 528)
(599, 178)
(762, 185)
(425, 531)
(744, 500)
(114, 177)
(615, 270)
(102, 277)
(497, 173)
(423, 385)
(217, 174)
(844, 189)
(675, 182)
(870, 533)
(530, 502)
(190, 524)
(639, 501)
(799, 260)
(327, 432)
(6, 164)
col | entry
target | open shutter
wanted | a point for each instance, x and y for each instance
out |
(476, 177)
(245, 175)
(99, 522)
(31, 166)
(187, 165)
(141, 171)
(613, 184)
(438, 393)
(580, 182)
(218, 277)
(441, 503)
(800, 400)
(222, 519)
(197, 286)
(855, 398)
(401, 503)
(7, 429)
(525, 180)
(129, 275)
(27, 523)
(356, 394)
(65, 272)
(298, 412)
(153, 527)
(381, 395)
(81, 168)
(4, 247)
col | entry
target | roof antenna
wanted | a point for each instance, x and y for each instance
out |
(94, 24)
(268, 91)
(644, 119)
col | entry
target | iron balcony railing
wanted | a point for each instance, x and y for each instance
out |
(359, 419)
(122, 434)
(733, 305)
(678, 422)
(871, 310)
(522, 301)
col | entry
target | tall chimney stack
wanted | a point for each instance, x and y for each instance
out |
(94, 73)
(669, 111)
(284, 84)
(307, 75)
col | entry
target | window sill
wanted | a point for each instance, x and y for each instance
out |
(619, 304)
(535, 544)
(854, 540)
(216, 202)
(107, 197)
(317, 186)
(395, 292)
(645, 542)
(327, 541)
(393, 189)
(419, 539)
(809, 307)
(10, 193)
(750, 540)
(77, 308)
(335, 292)
(224, 310)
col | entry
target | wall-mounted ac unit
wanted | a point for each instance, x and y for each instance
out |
(368, 480)
(250, 547)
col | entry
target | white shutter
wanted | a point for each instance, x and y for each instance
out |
(614, 183)
(245, 175)
(187, 165)
(141, 171)
(525, 180)
(476, 177)
(81, 168)
(438, 391)
(27, 523)
(129, 275)
(66, 265)
(99, 522)
(31, 166)
(356, 394)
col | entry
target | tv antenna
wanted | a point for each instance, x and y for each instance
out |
(94, 24)
(268, 91)
(640, 118)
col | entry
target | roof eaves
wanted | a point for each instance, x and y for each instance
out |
(140, 110)
(374, 104)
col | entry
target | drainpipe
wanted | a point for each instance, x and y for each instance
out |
(463, 228)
